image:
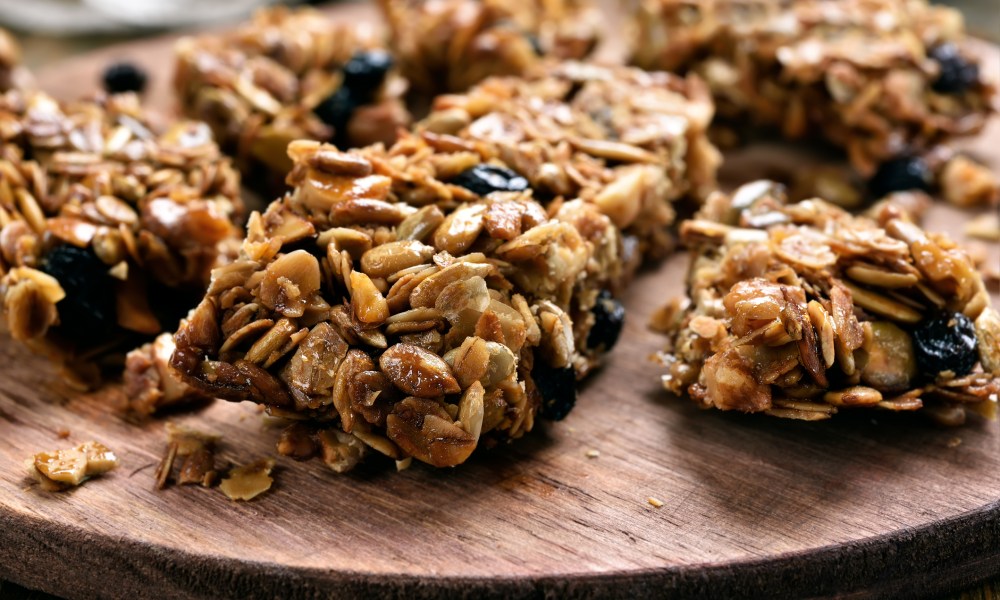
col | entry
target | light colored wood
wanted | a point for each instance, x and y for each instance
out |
(869, 503)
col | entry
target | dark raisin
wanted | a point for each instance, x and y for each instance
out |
(483, 179)
(88, 312)
(957, 73)
(901, 174)
(365, 72)
(557, 388)
(535, 43)
(609, 318)
(946, 343)
(336, 112)
(124, 77)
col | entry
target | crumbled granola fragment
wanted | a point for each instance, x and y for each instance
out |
(62, 469)
(197, 453)
(249, 481)
(801, 310)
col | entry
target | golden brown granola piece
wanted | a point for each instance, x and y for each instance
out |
(249, 481)
(450, 45)
(62, 469)
(630, 142)
(197, 451)
(12, 74)
(150, 383)
(860, 72)
(801, 310)
(105, 224)
(262, 85)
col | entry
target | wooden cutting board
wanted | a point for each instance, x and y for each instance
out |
(867, 504)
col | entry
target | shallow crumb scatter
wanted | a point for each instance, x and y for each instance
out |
(955, 442)
(249, 481)
(593, 453)
(654, 502)
(62, 469)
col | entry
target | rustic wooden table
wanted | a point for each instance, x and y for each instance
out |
(40, 50)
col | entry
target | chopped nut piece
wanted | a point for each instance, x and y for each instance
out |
(62, 469)
(249, 481)
(967, 183)
(654, 502)
(593, 453)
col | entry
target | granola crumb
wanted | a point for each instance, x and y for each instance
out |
(593, 453)
(63, 469)
(654, 502)
(984, 227)
(402, 465)
(954, 442)
(249, 481)
(62, 433)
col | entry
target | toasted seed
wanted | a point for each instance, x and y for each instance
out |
(882, 306)
(418, 372)
(880, 277)
(854, 396)
(387, 259)
(369, 305)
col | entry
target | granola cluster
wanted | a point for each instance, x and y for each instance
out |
(396, 309)
(880, 78)
(450, 45)
(105, 224)
(288, 75)
(798, 310)
(629, 141)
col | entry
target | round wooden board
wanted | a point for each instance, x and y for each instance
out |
(867, 504)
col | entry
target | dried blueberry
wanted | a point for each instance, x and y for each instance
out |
(336, 110)
(946, 343)
(957, 73)
(557, 388)
(88, 312)
(365, 72)
(483, 179)
(900, 174)
(536, 44)
(609, 317)
(124, 77)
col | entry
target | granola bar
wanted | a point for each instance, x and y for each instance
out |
(397, 306)
(801, 310)
(108, 229)
(287, 75)
(880, 78)
(631, 142)
(450, 45)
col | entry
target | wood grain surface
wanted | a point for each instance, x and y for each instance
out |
(867, 504)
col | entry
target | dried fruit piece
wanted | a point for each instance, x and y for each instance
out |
(557, 388)
(484, 179)
(946, 344)
(124, 77)
(609, 318)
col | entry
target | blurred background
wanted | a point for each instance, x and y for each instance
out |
(52, 29)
